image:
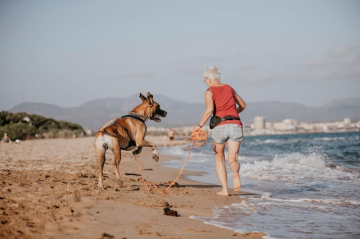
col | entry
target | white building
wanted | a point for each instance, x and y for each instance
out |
(347, 123)
(285, 125)
(259, 123)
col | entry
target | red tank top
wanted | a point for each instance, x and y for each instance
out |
(223, 96)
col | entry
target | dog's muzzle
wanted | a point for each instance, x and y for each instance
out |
(158, 114)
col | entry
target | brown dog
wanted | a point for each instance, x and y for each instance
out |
(127, 133)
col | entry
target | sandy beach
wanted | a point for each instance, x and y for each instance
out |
(49, 190)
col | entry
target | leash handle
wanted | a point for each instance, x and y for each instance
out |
(198, 138)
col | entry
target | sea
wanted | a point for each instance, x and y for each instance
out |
(306, 185)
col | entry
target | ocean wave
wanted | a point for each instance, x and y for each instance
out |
(330, 139)
(313, 160)
(294, 166)
(301, 140)
(334, 201)
(271, 141)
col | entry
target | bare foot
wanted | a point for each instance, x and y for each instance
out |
(222, 193)
(237, 183)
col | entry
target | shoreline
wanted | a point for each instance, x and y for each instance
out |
(49, 190)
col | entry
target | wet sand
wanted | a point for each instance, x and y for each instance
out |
(49, 190)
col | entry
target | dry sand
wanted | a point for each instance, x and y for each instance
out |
(49, 190)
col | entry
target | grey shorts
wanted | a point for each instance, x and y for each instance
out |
(223, 133)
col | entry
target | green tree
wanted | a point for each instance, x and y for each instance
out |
(18, 128)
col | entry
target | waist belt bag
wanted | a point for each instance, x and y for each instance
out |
(215, 120)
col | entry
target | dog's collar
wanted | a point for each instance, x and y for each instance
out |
(144, 118)
(136, 117)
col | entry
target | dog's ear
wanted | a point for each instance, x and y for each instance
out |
(143, 98)
(150, 98)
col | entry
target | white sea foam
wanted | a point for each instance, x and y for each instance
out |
(265, 196)
(271, 141)
(312, 160)
(303, 140)
(334, 201)
(284, 167)
(329, 139)
(293, 166)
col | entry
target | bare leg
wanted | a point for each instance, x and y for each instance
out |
(220, 167)
(233, 153)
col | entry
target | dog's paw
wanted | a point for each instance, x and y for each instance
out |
(155, 157)
(136, 152)
(100, 185)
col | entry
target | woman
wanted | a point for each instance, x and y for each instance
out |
(228, 131)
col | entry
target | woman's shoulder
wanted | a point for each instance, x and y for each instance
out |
(228, 87)
(225, 86)
(219, 86)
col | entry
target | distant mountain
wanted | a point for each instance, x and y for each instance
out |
(349, 102)
(95, 113)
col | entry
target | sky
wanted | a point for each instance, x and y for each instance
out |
(67, 53)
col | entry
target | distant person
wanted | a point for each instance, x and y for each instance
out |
(165, 140)
(171, 135)
(6, 139)
(229, 129)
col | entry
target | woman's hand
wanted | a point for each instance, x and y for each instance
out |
(196, 128)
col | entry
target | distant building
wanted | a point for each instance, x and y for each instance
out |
(306, 127)
(285, 125)
(347, 123)
(259, 123)
(291, 122)
(269, 125)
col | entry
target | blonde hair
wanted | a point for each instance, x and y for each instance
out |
(212, 72)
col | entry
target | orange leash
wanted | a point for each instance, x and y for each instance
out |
(198, 139)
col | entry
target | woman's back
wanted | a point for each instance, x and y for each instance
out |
(223, 97)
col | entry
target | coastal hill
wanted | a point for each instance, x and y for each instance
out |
(95, 113)
(26, 126)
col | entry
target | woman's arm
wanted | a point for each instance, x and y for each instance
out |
(240, 102)
(208, 111)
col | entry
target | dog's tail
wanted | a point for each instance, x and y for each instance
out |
(111, 122)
